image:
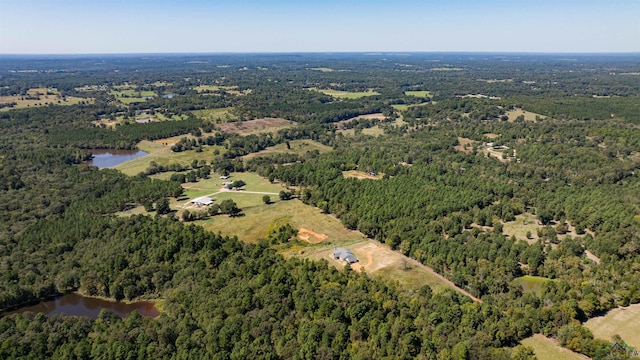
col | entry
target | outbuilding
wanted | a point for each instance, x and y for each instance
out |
(202, 201)
(344, 255)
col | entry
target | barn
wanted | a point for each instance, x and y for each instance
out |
(344, 255)
(202, 201)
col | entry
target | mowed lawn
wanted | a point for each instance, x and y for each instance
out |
(548, 349)
(163, 155)
(624, 321)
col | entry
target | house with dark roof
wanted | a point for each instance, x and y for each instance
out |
(344, 255)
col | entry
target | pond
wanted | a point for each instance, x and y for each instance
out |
(78, 305)
(105, 158)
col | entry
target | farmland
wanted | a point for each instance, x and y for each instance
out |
(346, 94)
(548, 349)
(622, 321)
(38, 97)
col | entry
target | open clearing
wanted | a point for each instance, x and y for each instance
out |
(465, 145)
(254, 225)
(311, 236)
(624, 321)
(419, 93)
(319, 234)
(323, 69)
(361, 175)
(41, 97)
(257, 126)
(528, 222)
(206, 88)
(163, 155)
(372, 131)
(528, 116)
(531, 283)
(215, 115)
(378, 116)
(346, 94)
(130, 96)
(299, 147)
(548, 349)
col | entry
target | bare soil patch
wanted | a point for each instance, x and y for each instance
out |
(255, 126)
(372, 256)
(491, 136)
(362, 175)
(464, 145)
(311, 236)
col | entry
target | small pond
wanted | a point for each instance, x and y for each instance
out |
(105, 158)
(78, 305)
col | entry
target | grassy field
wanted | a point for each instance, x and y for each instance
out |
(403, 107)
(208, 88)
(532, 283)
(377, 260)
(255, 223)
(624, 321)
(215, 115)
(256, 126)
(519, 227)
(130, 96)
(528, 116)
(419, 93)
(37, 97)
(528, 222)
(346, 94)
(548, 349)
(163, 155)
(361, 175)
(299, 147)
(372, 131)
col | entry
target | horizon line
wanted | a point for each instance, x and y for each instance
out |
(380, 52)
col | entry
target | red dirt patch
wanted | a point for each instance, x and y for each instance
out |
(311, 236)
(253, 126)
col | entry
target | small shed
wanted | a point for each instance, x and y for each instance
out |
(202, 201)
(227, 184)
(344, 255)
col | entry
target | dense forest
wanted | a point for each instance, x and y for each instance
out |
(454, 171)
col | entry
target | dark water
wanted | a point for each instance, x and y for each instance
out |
(109, 158)
(78, 305)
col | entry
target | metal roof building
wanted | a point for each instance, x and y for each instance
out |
(202, 201)
(345, 255)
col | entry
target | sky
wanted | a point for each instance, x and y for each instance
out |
(201, 26)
